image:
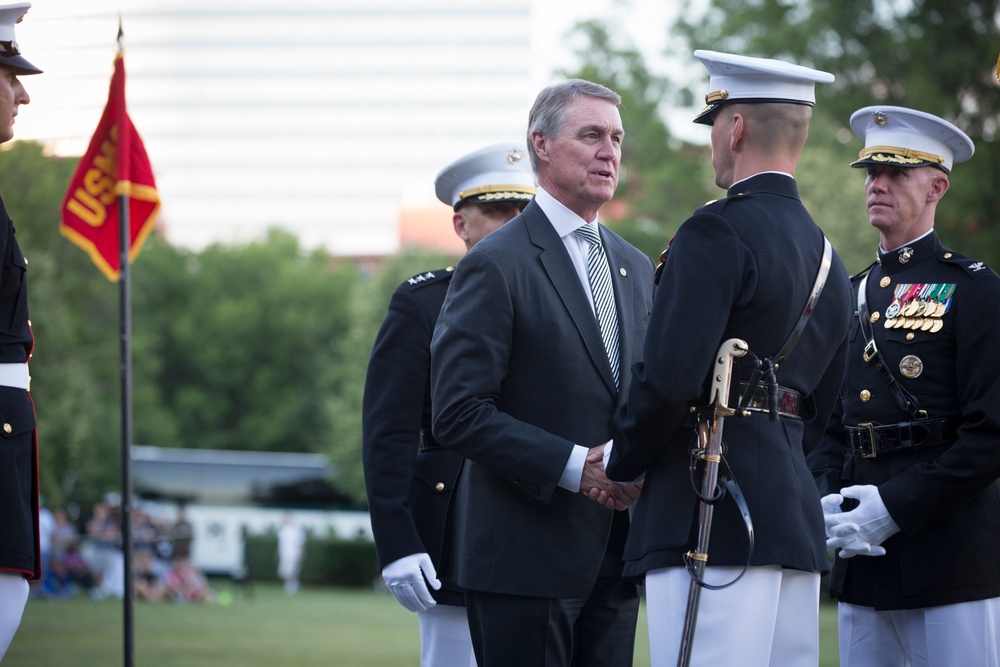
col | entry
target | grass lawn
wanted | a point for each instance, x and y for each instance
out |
(317, 627)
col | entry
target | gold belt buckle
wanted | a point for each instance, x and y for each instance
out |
(871, 434)
(870, 351)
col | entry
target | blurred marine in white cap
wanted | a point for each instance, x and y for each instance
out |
(408, 476)
(20, 560)
(746, 266)
(913, 446)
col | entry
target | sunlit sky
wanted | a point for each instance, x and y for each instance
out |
(323, 117)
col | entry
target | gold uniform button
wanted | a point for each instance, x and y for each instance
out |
(909, 336)
(865, 396)
(7, 428)
(874, 317)
(439, 486)
(885, 281)
(947, 255)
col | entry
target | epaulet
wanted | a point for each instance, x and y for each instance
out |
(972, 266)
(428, 278)
(716, 205)
(863, 272)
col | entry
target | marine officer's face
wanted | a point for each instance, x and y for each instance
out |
(901, 201)
(579, 166)
(473, 222)
(12, 95)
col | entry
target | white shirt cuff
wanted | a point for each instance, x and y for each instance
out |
(573, 472)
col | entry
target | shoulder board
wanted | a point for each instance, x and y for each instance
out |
(718, 204)
(863, 272)
(428, 278)
(972, 266)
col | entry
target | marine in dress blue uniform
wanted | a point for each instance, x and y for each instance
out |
(915, 436)
(20, 558)
(409, 477)
(743, 266)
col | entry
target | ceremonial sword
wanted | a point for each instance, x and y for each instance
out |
(710, 451)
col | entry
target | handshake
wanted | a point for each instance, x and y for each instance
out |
(596, 485)
(861, 531)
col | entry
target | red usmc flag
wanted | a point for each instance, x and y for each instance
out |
(115, 165)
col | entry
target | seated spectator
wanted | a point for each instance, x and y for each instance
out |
(186, 583)
(148, 585)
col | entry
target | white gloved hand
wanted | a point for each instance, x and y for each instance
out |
(405, 580)
(868, 523)
(844, 536)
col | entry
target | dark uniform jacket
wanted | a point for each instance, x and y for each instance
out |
(408, 476)
(740, 267)
(519, 375)
(19, 547)
(943, 493)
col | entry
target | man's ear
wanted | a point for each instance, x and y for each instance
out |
(939, 186)
(540, 143)
(459, 222)
(736, 135)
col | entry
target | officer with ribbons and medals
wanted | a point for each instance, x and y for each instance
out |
(408, 476)
(909, 465)
(752, 266)
(20, 558)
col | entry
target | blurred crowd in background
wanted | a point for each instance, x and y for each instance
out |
(87, 558)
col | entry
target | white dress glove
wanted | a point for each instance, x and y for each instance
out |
(861, 530)
(405, 579)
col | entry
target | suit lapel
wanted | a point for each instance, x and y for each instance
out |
(561, 272)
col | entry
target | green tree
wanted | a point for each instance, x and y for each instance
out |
(237, 345)
(934, 55)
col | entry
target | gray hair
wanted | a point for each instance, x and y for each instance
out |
(548, 113)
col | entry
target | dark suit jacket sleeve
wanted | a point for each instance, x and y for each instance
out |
(470, 354)
(392, 412)
(691, 308)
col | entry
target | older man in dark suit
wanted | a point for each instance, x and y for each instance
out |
(542, 322)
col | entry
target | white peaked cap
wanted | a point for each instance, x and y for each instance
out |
(908, 138)
(736, 78)
(495, 173)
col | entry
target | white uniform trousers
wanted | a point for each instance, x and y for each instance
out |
(769, 618)
(445, 640)
(13, 596)
(953, 635)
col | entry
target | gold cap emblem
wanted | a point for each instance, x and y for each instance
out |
(514, 156)
(880, 118)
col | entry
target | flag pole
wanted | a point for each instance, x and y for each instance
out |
(124, 228)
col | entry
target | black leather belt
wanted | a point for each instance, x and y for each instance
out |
(871, 440)
(428, 443)
(788, 401)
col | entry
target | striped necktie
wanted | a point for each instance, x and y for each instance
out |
(602, 292)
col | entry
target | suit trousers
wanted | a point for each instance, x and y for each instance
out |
(13, 597)
(598, 631)
(444, 637)
(952, 635)
(769, 618)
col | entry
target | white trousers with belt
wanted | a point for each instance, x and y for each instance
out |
(769, 618)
